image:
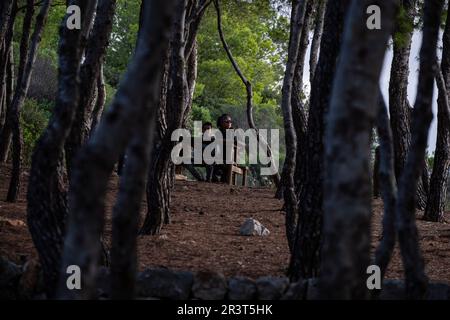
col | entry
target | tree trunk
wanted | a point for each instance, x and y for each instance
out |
(23, 82)
(388, 187)
(46, 196)
(174, 104)
(299, 112)
(126, 211)
(191, 77)
(305, 259)
(6, 133)
(136, 98)
(375, 175)
(317, 37)
(6, 24)
(416, 280)
(347, 196)
(90, 70)
(438, 185)
(290, 198)
(100, 102)
(399, 107)
(157, 186)
(7, 87)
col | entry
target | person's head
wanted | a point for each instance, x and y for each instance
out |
(224, 122)
(206, 126)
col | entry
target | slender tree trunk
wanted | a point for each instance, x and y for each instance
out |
(157, 186)
(174, 105)
(100, 102)
(290, 198)
(6, 23)
(317, 37)
(6, 10)
(135, 99)
(7, 88)
(388, 188)
(305, 260)
(399, 107)
(90, 70)
(416, 280)
(375, 174)
(299, 112)
(46, 196)
(6, 133)
(191, 77)
(23, 83)
(126, 211)
(438, 185)
(347, 196)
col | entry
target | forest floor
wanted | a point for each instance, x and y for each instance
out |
(204, 232)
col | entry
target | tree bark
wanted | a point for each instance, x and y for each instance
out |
(438, 184)
(6, 24)
(174, 102)
(46, 195)
(317, 37)
(23, 82)
(90, 70)
(375, 175)
(290, 198)
(305, 260)
(134, 99)
(157, 184)
(7, 83)
(416, 280)
(388, 187)
(299, 112)
(100, 102)
(399, 107)
(347, 196)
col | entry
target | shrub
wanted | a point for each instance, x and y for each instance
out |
(33, 119)
(44, 80)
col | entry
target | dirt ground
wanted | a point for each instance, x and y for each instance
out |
(204, 232)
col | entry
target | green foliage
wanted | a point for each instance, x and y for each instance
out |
(110, 93)
(199, 114)
(430, 160)
(248, 28)
(123, 40)
(33, 120)
(405, 25)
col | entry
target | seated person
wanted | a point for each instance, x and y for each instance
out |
(219, 174)
(207, 133)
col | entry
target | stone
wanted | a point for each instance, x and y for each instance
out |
(271, 288)
(31, 279)
(252, 227)
(392, 290)
(103, 282)
(241, 288)
(312, 292)
(209, 285)
(438, 291)
(296, 291)
(9, 277)
(165, 283)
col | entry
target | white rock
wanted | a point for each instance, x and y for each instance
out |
(252, 227)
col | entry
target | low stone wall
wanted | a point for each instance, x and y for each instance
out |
(161, 283)
(25, 282)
